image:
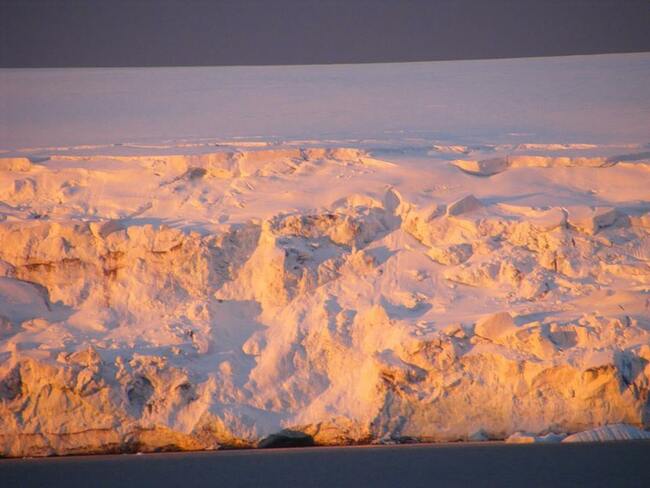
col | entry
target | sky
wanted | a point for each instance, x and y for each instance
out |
(89, 33)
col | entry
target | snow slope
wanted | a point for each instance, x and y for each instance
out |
(215, 290)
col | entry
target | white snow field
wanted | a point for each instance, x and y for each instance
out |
(198, 258)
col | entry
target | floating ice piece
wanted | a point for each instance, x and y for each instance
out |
(286, 438)
(614, 432)
(524, 438)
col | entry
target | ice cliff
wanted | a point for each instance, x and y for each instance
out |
(211, 299)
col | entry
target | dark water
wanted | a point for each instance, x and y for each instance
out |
(606, 464)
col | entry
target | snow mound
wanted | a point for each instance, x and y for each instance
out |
(495, 165)
(465, 205)
(15, 164)
(495, 326)
(484, 167)
(591, 219)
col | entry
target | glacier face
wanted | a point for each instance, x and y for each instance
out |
(197, 298)
(210, 257)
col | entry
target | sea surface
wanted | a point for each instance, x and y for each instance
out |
(615, 464)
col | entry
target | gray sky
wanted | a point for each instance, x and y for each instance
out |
(244, 32)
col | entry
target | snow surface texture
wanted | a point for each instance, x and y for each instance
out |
(208, 293)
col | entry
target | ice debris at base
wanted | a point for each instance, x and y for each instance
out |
(615, 432)
(524, 438)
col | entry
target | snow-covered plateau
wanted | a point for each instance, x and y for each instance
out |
(375, 275)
